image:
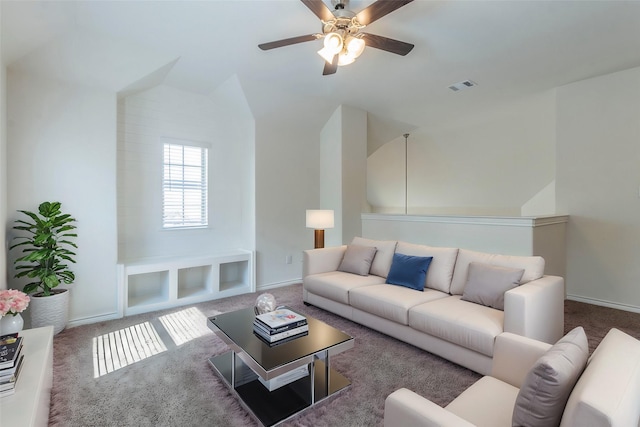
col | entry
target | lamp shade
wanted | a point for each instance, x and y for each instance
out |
(320, 219)
(333, 42)
(346, 59)
(355, 46)
(326, 55)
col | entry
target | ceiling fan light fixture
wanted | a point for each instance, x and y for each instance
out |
(326, 55)
(341, 30)
(333, 43)
(354, 46)
(346, 59)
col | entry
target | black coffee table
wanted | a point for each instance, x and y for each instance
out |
(251, 357)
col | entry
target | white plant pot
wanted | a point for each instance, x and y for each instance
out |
(51, 310)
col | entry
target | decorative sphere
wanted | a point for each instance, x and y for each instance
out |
(265, 303)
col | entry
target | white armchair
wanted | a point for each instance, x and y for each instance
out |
(606, 394)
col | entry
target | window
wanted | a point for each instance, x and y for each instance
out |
(184, 186)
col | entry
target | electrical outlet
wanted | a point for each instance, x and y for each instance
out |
(288, 259)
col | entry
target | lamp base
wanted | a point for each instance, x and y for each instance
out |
(319, 239)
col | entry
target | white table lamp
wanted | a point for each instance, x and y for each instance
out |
(320, 220)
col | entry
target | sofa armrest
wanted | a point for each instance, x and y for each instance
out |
(536, 309)
(608, 391)
(406, 408)
(322, 260)
(513, 357)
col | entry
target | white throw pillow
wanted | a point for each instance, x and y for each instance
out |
(546, 388)
(486, 284)
(533, 266)
(357, 259)
(382, 261)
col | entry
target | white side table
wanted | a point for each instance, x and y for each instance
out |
(29, 406)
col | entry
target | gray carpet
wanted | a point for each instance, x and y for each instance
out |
(177, 387)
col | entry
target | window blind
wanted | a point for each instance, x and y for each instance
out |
(184, 186)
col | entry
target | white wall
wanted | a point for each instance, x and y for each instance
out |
(3, 168)
(287, 170)
(490, 164)
(598, 181)
(290, 179)
(354, 171)
(331, 175)
(238, 125)
(228, 130)
(343, 153)
(61, 140)
(542, 203)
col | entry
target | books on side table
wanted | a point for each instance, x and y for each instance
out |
(11, 358)
(280, 326)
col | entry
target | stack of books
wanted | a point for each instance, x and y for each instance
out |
(10, 363)
(279, 326)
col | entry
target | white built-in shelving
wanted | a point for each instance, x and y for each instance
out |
(29, 405)
(156, 283)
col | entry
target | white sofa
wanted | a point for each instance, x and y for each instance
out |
(607, 394)
(436, 319)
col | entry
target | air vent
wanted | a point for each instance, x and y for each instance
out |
(465, 84)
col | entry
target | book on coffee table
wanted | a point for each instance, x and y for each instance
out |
(8, 384)
(280, 320)
(285, 379)
(11, 374)
(281, 335)
(10, 347)
(280, 341)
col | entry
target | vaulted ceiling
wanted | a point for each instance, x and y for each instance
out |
(509, 48)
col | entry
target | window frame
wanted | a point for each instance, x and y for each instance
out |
(183, 184)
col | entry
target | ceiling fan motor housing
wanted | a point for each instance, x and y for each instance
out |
(339, 4)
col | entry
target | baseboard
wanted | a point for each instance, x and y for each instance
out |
(604, 303)
(277, 284)
(93, 319)
(113, 316)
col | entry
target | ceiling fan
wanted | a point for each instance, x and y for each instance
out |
(344, 39)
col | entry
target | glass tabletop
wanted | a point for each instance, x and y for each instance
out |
(238, 327)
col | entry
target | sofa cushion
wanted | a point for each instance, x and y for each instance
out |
(486, 284)
(357, 259)
(487, 403)
(382, 261)
(546, 388)
(440, 271)
(335, 285)
(608, 391)
(389, 301)
(464, 323)
(408, 271)
(533, 266)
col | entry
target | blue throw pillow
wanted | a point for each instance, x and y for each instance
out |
(409, 271)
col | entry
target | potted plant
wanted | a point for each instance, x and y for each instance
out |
(47, 244)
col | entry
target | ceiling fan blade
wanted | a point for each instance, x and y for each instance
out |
(379, 9)
(330, 68)
(390, 45)
(290, 41)
(320, 9)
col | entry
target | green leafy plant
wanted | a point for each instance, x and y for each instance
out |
(46, 248)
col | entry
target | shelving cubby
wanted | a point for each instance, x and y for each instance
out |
(158, 283)
(148, 289)
(194, 281)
